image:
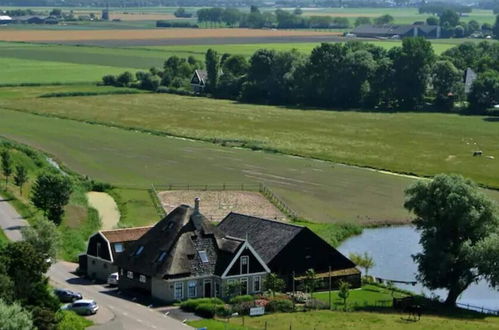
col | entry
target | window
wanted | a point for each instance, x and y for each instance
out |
(161, 257)
(118, 247)
(244, 285)
(203, 256)
(244, 265)
(139, 250)
(179, 291)
(129, 274)
(192, 289)
(98, 250)
(257, 283)
(121, 271)
(142, 279)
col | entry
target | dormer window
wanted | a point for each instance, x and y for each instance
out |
(139, 250)
(203, 256)
(118, 247)
(244, 264)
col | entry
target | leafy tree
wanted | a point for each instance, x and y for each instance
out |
(484, 92)
(495, 28)
(56, 12)
(43, 236)
(20, 177)
(412, 65)
(181, 12)
(383, 19)
(212, 67)
(487, 255)
(274, 283)
(432, 20)
(455, 219)
(363, 260)
(231, 16)
(232, 289)
(50, 193)
(14, 317)
(6, 165)
(362, 21)
(109, 80)
(124, 79)
(237, 65)
(298, 11)
(310, 282)
(449, 17)
(344, 292)
(473, 26)
(459, 31)
(447, 84)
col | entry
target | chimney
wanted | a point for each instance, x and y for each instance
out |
(196, 204)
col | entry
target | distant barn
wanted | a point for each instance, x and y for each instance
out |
(397, 31)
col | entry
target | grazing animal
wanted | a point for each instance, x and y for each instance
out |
(477, 153)
(414, 311)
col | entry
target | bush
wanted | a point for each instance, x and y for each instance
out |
(206, 310)
(280, 305)
(244, 307)
(190, 305)
(241, 299)
(67, 320)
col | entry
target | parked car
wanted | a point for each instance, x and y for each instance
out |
(113, 278)
(82, 307)
(67, 295)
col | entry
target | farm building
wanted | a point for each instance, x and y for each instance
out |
(103, 248)
(290, 249)
(198, 81)
(5, 19)
(29, 20)
(400, 31)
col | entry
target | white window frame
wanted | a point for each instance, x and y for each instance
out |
(259, 280)
(190, 285)
(241, 265)
(121, 249)
(178, 285)
(129, 274)
(142, 279)
(244, 279)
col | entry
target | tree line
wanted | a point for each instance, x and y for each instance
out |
(341, 75)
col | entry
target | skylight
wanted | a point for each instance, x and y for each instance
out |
(203, 256)
(139, 250)
(162, 256)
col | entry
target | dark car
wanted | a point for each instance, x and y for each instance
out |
(67, 295)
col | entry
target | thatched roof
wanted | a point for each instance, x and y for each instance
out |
(125, 234)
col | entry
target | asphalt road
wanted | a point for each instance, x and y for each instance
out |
(116, 311)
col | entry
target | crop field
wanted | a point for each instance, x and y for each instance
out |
(31, 71)
(417, 143)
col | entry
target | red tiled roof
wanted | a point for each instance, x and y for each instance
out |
(125, 235)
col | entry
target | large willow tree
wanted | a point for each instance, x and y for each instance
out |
(459, 226)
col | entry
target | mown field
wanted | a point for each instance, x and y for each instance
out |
(16, 71)
(424, 144)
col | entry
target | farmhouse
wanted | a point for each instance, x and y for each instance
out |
(184, 256)
(103, 248)
(198, 81)
(290, 250)
(400, 31)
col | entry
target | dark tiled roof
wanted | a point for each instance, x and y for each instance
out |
(125, 235)
(268, 237)
(180, 236)
(390, 30)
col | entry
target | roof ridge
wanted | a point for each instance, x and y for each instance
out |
(123, 229)
(269, 220)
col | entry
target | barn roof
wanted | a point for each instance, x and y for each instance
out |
(268, 237)
(124, 235)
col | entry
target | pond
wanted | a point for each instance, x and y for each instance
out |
(392, 247)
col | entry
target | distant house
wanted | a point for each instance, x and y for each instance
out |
(103, 248)
(5, 19)
(469, 77)
(198, 81)
(184, 256)
(290, 250)
(397, 31)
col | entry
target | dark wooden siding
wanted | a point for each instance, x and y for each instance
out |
(103, 251)
(305, 251)
(254, 264)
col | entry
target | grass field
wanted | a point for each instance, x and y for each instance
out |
(420, 143)
(323, 320)
(16, 71)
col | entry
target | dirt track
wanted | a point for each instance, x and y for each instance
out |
(107, 208)
(73, 35)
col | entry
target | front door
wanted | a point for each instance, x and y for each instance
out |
(207, 288)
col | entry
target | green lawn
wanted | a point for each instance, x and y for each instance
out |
(15, 71)
(322, 320)
(419, 143)
(136, 207)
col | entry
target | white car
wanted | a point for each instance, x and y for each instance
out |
(82, 307)
(113, 279)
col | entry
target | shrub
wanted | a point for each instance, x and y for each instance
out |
(316, 304)
(223, 311)
(240, 299)
(280, 305)
(190, 305)
(67, 320)
(244, 307)
(109, 80)
(206, 310)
